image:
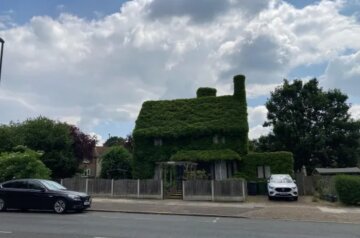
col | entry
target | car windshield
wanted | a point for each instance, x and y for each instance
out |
(52, 185)
(281, 180)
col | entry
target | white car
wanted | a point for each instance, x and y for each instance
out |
(282, 185)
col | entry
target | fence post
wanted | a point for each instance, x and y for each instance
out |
(138, 188)
(212, 190)
(61, 181)
(112, 187)
(162, 189)
(183, 190)
(87, 185)
(243, 189)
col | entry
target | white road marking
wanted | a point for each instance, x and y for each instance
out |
(215, 220)
(5, 232)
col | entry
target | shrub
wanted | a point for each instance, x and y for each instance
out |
(348, 189)
(116, 163)
(25, 164)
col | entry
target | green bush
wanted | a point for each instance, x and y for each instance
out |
(24, 164)
(280, 163)
(206, 92)
(348, 189)
(116, 163)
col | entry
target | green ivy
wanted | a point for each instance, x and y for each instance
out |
(190, 124)
(206, 92)
(280, 163)
(205, 155)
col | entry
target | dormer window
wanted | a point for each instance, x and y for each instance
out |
(158, 142)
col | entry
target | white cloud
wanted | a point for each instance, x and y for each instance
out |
(355, 111)
(98, 71)
(257, 131)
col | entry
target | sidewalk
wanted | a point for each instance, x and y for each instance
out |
(256, 207)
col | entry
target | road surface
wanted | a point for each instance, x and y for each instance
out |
(112, 225)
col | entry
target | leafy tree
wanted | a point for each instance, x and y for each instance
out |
(313, 124)
(54, 140)
(83, 144)
(116, 163)
(114, 141)
(127, 143)
(23, 163)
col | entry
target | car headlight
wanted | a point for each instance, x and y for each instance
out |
(270, 187)
(294, 188)
(74, 197)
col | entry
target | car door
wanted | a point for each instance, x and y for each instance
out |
(38, 196)
(16, 194)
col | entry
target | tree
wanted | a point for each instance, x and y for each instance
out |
(54, 140)
(116, 163)
(83, 144)
(127, 143)
(114, 141)
(313, 124)
(23, 163)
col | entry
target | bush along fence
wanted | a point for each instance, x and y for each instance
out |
(201, 190)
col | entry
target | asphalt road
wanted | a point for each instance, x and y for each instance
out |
(111, 225)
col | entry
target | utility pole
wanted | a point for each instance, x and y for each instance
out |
(2, 42)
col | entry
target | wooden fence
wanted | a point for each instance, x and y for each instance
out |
(126, 188)
(212, 190)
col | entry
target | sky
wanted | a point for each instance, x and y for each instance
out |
(93, 63)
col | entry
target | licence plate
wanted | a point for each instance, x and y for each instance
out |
(86, 203)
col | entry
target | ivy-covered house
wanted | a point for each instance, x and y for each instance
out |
(209, 130)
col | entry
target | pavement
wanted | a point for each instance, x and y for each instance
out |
(125, 225)
(255, 207)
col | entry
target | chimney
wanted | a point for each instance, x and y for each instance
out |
(239, 87)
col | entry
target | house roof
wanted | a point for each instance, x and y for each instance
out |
(205, 155)
(204, 115)
(353, 170)
(100, 150)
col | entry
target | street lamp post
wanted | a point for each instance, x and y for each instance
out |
(2, 42)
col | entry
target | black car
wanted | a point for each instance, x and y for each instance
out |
(41, 194)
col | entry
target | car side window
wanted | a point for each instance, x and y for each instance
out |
(15, 184)
(35, 185)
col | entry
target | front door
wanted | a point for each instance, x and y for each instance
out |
(173, 177)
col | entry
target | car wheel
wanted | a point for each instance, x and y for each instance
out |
(270, 198)
(60, 206)
(295, 198)
(2, 204)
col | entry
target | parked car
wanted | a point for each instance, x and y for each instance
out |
(41, 194)
(282, 185)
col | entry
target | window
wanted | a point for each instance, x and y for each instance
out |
(87, 172)
(158, 142)
(35, 185)
(216, 139)
(263, 171)
(219, 139)
(15, 184)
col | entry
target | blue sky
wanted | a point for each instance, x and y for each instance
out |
(90, 64)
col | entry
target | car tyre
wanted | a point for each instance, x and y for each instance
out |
(270, 198)
(295, 198)
(60, 206)
(2, 205)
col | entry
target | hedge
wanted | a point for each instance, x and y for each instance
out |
(348, 189)
(280, 163)
(206, 92)
(205, 155)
